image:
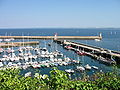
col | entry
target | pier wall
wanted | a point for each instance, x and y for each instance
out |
(93, 51)
(53, 37)
(15, 44)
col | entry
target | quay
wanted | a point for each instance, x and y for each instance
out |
(15, 44)
(52, 37)
(98, 53)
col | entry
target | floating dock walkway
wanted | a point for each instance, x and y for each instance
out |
(52, 37)
(93, 51)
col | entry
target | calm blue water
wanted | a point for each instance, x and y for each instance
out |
(111, 40)
(111, 37)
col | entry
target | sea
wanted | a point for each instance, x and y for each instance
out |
(110, 40)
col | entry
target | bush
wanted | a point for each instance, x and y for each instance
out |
(58, 80)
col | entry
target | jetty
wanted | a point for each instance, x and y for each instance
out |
(101, 54)
(53, 37)
(15, 44)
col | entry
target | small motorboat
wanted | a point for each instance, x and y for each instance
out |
(69, 70)
(28, 74)
(95, 67)
(97, 40)
(68, 47)
(81, 53)
(88, 67)
(80, 68)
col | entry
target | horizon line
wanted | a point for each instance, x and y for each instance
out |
(58, 27)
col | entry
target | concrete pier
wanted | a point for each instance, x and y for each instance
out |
(53, 37)
(15, 44)
(93, 51)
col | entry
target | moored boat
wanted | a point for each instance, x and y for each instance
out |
(69, 70)
(80, 68)
(68, 47)
(88, 67)
(80, 52)
(94, 67)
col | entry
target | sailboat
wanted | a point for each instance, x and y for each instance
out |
(1, 50)
(1, 64)
(81, 68)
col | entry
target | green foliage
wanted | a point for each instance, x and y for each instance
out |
(58, 80)
(110, 81)
(11, 80)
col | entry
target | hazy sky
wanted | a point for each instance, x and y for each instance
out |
(59, 13)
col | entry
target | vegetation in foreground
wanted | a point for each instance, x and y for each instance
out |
(58, 80)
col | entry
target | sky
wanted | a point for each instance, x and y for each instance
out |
(59, 13)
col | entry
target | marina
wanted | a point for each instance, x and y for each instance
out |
(59, 45)
(26, 56)
(29, 54)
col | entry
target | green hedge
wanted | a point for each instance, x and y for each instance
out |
(58, 80)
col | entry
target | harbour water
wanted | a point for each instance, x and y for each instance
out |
(111, 40)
